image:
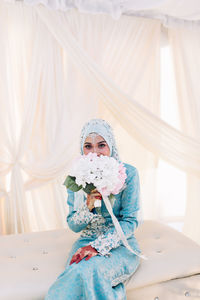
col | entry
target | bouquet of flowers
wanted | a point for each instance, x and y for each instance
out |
(107, 176)
(102, 173)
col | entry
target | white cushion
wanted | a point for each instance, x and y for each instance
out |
(174, 289)
(170, 255)
(31, 262)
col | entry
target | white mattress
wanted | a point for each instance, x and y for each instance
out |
(31, 262)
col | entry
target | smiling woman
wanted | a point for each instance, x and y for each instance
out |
(98, 264)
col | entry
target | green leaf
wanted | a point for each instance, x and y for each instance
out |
(89, 187)
(71, 184)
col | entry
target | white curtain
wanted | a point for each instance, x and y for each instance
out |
(130, 121)
(185, 45)
(38, 128)
(75, 67)
(176, 147)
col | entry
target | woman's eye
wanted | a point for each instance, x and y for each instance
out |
(88, 146)
(102, 145)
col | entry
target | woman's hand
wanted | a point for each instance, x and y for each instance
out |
(92, 197)
(83, 252)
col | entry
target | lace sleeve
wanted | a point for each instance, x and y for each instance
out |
(78, 218)
(104, 243)
(82, 215)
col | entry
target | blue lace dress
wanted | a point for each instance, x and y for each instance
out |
(103, 276)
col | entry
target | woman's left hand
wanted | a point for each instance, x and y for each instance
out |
(83, 252)
(92, 197)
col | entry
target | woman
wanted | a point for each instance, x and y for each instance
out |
(99, 264)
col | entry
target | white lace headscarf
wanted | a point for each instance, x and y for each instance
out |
(102, 128)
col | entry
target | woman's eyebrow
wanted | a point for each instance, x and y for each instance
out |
(97, 143)
(101, 142)
(87, 143)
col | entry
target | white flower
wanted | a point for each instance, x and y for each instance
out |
(106, 173)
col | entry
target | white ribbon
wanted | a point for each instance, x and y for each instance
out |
(118, 228)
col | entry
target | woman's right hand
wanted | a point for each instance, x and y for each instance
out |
(92, 197)
(88, 251)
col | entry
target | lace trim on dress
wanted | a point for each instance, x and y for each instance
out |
(120, 279)
(104, 243)
(82, 215)
(96, 227)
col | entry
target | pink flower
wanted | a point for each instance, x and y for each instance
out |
(117, 188)
(122, 172)
(122, 177)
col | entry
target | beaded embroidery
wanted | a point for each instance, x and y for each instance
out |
(82, 215)
(96, 227)
(104, 243)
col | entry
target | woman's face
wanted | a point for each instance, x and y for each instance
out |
(96, 144)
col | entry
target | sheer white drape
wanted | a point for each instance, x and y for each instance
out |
(39, 132)
(174, 146)
(75, 67)
(185, 45)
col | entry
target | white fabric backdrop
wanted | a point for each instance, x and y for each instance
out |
(185, 44)
(179, 149)
(53, 65)
(37, 122)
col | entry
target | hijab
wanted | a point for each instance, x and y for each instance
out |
(102, 128)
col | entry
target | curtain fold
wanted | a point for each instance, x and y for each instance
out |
(185, 47)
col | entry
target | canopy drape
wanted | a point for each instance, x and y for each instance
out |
(169, 12)
(185, 45)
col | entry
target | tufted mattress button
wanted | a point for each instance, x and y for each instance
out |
(187, 294)
(159, 251)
